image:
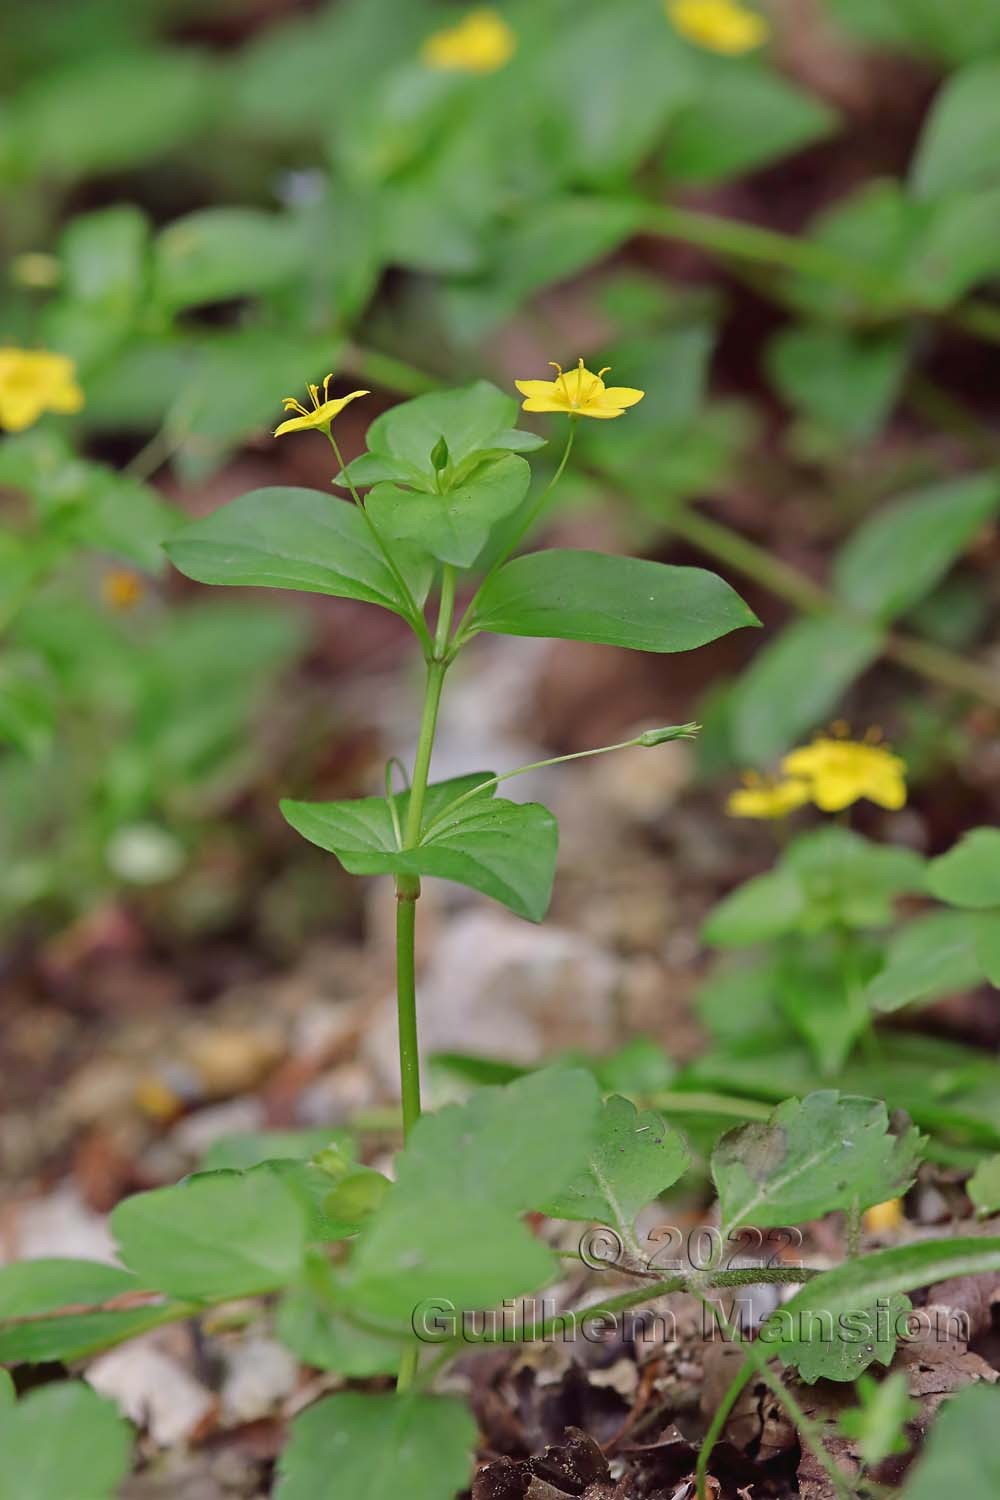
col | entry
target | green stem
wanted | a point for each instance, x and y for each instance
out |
(406, 1006)
(935, 663)
(463, 632)
(413, 614)
(683, 732)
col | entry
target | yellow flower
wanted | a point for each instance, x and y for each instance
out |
(579, 392)
(840, 771)
(884, 1218)
(322, 413)
(32, 381)
(481, 42)
(121, 590)
(718, 25)
(758, 798)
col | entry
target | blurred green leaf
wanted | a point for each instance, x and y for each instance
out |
(969, 874)
(757, 911)
(847, 381)
(930, 958)
(877, 1424)
(220, 253)
(795, 682)
(983, 1187)
(89, 1459)
(380, 1447)
(31, 1287)
(957, 146)
(106, 113)
(221, 1234)
(960, 1454)
(739, 119)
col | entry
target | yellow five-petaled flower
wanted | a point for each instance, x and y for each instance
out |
(579, 392)
(833, 772)
(320, 415)
(481, 42)
(841, 771)
(718, 25)
(33, 381)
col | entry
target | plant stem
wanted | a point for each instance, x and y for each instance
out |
(685, 731)
(413, 613)
(407, 892)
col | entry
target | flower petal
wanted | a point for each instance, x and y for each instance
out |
(536, 388)
(622, 395)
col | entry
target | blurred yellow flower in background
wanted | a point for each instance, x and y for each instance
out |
(759, 798)
(33, 381)
(841, 771)
(718, 25)
(481, 42)
(579, 392)
(121, 590)
(322, 412)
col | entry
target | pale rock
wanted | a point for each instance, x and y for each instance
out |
(62, 1225)
(153, 1390)
(260, 1373)
(196, 1132)
(501, 987)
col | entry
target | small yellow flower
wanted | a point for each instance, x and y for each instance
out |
(840, 771)
(322, 413)
(579, 392)
(33, 381)
(884, 1218)
(758, 798)
(122, 590)
(718, 25)
(481, 42)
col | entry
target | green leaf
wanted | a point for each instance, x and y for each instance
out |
(957, 146)
(473, 421)
(104, 259)
(617, 601)
(961, 1456)
(164, 96)
(759, 910)
(27, 704)
(635, 1157)
(824, 1152)
(842, 1349)
(795, 681)
(931, 957)
(292, 539)
(740, 119)
(969, 874)
(458, 1233)
(77, 1335)
(844, 380)
(379, 1447)
(983, 1187)
(30, 1287)
(819, 987)
(220, 253)
(898, 556)
(8, 1394)
(883, 1274)
(506, 850)
(986, 936)
(877, 1424)
(60, 1440)
(850, 881)
(323, 1336)
(455, 526)
(219, 1234)
(251, 1148)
